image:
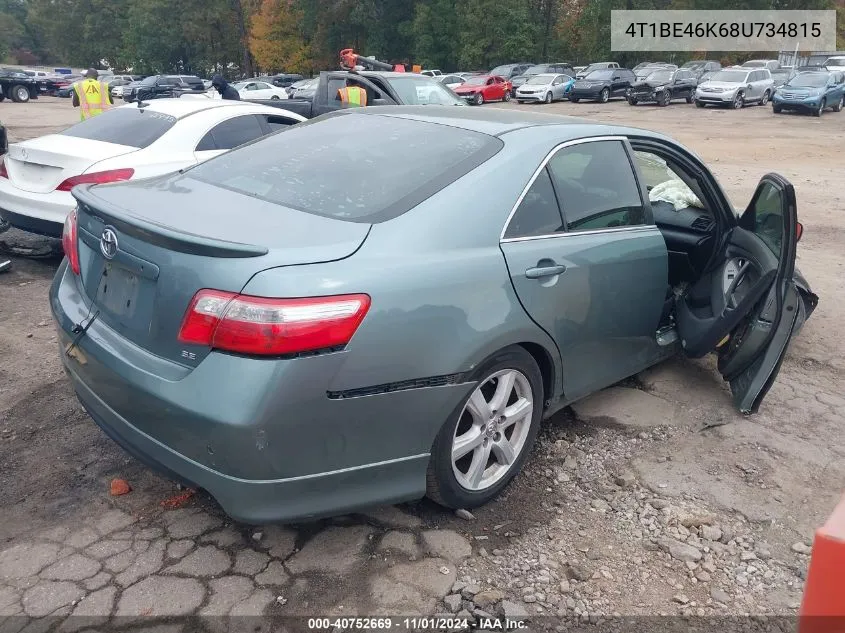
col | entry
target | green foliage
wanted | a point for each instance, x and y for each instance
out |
(206, 36)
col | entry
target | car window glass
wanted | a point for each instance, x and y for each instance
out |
(229, 134)
(290, 168)
(596, 186)
(768, 217)
(124, 126)
(665, 182)
(277, 123)
(538, 213)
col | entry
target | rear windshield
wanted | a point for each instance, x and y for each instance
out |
(124, 126)
(367, 169)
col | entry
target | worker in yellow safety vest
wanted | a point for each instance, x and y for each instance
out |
(91, 95)
(352, 96)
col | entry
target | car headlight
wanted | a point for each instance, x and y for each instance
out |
(660, 88)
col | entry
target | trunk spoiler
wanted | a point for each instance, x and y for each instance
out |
(160, 234)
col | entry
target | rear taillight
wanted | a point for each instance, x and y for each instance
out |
(271, 327)
(96, 178)
(3, 172)
(69, 242)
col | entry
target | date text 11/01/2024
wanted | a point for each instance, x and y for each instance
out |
(414, 624)
(724, 29)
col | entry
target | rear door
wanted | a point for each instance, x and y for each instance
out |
(754, 303)
(594, 277)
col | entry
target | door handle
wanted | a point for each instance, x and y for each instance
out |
(544, 271)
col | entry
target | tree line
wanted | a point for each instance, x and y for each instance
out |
(245, 37)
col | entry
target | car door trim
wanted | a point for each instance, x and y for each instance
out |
(543, 163)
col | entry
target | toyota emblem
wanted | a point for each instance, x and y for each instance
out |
(108, 243)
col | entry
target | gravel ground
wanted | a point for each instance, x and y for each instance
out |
(652, 497)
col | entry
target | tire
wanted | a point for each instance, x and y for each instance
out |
(274, 98)
(520, 102)
(689, 99)
(632, 101)
(839, 104)
(442, 480)
(738, 102)
(574, 99)
(548, 98)
(507, 97)
(663, 99)
(479, 99)
(776, 109)
(818, 111)
(604, 95)
(19, 93)
(700, 104)
(2, 98)
(765, 98)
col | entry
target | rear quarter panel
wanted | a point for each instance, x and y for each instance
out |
(442, 300)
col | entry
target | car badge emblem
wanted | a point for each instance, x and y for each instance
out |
(108, 243)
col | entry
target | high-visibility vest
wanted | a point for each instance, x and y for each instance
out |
(93, 97)
(353, 96)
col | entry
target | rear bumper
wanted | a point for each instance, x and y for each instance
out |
(262, 436)
(42, 213)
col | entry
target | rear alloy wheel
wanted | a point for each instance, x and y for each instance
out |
(274, 98)
(486, 442)
(604, 95)
(20, 93)
(479, 98)
(507, 96)
(765, 99)
(839, 104)
(820, 109)
(663, 99)
(739, 101)
(548, 98)
(689, 99)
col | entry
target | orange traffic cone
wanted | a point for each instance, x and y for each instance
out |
(823, 606)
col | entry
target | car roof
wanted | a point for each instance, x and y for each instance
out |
(185, 107)
(497, 121)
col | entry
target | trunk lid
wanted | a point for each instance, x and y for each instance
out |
(42, 164)
(169, 237)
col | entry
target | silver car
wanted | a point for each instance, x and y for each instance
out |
(736, 87)
(547, 87)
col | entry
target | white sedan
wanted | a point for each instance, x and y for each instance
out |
(124, 143)
(255, 90)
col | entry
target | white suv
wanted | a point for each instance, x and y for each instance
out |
(735, 87)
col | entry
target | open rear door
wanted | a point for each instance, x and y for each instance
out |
(747, 308)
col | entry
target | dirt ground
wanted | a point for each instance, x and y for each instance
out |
(651, 497)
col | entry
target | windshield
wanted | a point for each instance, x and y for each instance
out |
(730, 76)
(593, 67)
(835, 62)
(600, 74)
(135, 127)
(149, 81)
(477, 81)
(809, 80)
(536, 70)
(754, 64)
(660, 75)
(693, 65)
(326, 166)
(539, 80)
(503, 70)
(423, 91)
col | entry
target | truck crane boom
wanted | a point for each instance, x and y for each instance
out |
(349, 59)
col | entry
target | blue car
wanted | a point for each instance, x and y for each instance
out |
(810, 92)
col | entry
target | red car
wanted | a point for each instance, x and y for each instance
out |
(480, 88)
